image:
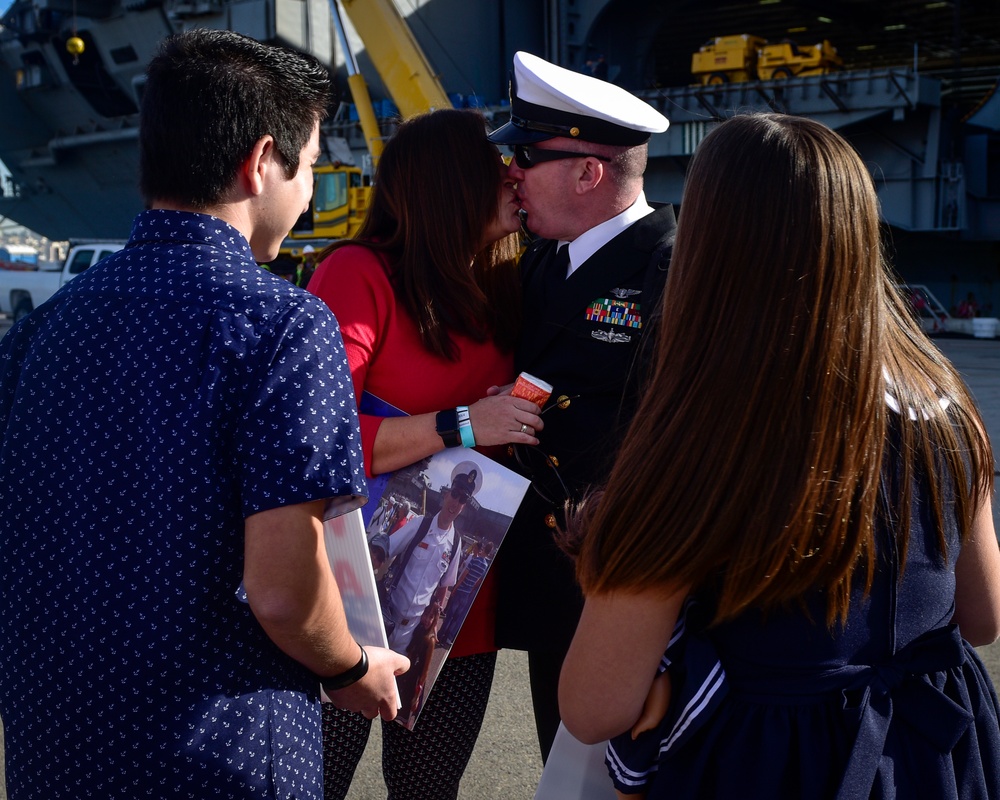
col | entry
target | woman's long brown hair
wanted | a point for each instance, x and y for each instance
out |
(437, 190)
(754, 459)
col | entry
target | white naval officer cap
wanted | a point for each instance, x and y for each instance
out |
(547, 101)
(468, 476)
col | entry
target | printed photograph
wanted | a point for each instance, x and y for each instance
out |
(432, 537)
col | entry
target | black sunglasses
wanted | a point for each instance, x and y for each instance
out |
(462, 497)
(527, 157)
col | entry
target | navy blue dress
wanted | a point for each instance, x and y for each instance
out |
(145, 411)
(893, 705)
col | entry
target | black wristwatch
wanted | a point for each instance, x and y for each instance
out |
(345, 679)
(446, 424)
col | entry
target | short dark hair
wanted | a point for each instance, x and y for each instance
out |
(210, 95)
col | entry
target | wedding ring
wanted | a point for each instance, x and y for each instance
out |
(524, 427)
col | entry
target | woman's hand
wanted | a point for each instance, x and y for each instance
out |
(502, 419)
(496, 420)
(493, 391)
(656, 706)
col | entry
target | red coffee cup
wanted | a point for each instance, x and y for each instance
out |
(531, 388)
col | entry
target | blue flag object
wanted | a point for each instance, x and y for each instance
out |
(376, 407)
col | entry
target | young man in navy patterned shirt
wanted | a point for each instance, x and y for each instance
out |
(175, 424)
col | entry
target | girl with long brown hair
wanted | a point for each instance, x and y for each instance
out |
(809, 469)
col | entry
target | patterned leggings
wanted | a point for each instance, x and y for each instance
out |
(428, 762)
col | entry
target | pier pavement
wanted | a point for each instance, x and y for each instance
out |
(505, 764)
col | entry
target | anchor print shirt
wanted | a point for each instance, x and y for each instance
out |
(149, 407)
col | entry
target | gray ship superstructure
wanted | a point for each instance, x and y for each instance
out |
(917, 96)
(69, 123)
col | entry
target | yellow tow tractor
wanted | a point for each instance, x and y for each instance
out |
(742, 58)
(786, 60)
(727, 59)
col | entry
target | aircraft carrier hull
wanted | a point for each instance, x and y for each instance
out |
(69, 128)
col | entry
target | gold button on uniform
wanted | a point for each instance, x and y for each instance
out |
(550, 520)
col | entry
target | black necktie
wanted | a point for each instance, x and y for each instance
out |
(556, 272)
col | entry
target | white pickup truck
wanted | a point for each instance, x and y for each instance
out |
(22, 291)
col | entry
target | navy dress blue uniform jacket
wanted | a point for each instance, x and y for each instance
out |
(584, 335)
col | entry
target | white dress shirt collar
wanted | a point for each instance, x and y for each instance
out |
(589, 242)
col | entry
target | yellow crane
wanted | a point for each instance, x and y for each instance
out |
(340, 193)
(398, 59)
